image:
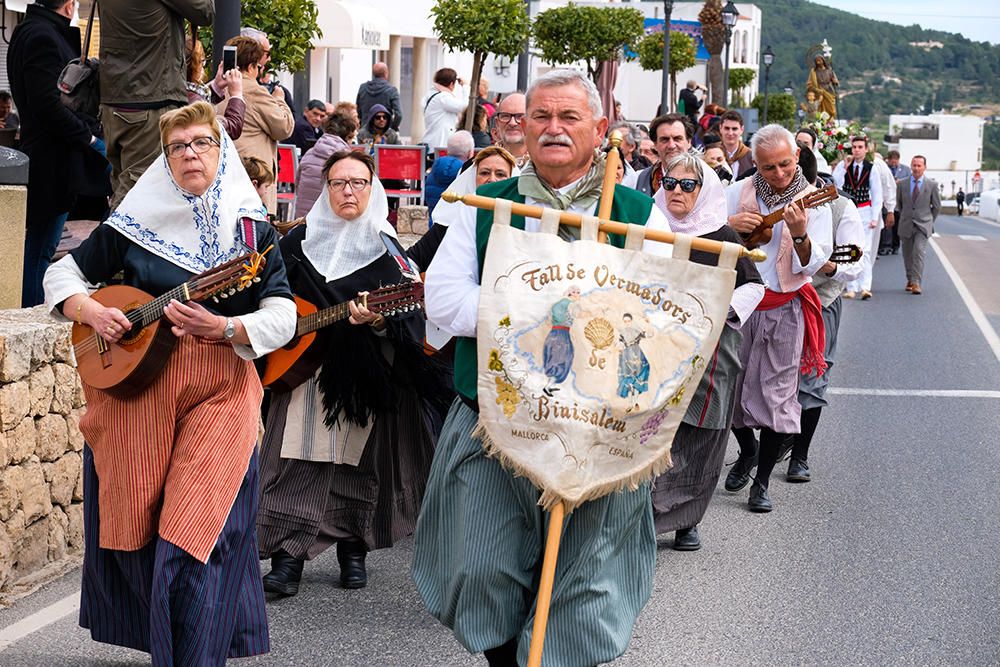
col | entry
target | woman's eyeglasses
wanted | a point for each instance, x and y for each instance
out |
(354, 184)
(199, 145)
(687, 184)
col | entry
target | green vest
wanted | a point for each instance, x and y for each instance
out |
(628, 206)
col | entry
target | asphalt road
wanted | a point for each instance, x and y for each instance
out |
(889, 557)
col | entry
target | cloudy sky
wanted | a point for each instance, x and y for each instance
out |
(976, 19)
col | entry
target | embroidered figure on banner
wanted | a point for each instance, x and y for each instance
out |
(633, 367)
(558, 350)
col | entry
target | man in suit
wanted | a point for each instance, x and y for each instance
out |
(889, 244)
(919, 203)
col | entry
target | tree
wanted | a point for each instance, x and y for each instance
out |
(780, 108)
(682, 55)
(713, 34)
(290, 26)
(740, 78)
(567, 34)
(481, 27)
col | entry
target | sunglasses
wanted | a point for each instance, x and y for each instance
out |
(687, 184)
(380, 116)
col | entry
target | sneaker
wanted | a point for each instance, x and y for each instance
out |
(798, 471)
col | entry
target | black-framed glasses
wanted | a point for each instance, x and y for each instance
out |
(506, 117)
(354, 184)
(687, 184)
(199, 145)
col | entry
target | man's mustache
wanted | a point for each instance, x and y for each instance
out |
(560, 139)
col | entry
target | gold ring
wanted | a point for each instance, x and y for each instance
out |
(110, 329)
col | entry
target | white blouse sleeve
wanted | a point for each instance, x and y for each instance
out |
(452, 290)
(62, 280)
(268, 328)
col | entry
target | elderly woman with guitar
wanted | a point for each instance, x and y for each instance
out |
(347, 449)
(170, 470)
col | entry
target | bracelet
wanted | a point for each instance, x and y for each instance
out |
(77, 318)
(379, 320)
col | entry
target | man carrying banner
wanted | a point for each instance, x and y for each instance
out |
(785, 333)
(479, 536)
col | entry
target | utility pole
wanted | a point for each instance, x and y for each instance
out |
(227, 26)
(668, 8)
(525, 56)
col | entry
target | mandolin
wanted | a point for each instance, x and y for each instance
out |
(124, 368)
(297, 361)
(762, 234)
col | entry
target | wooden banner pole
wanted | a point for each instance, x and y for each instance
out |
(556, 517)
(609, 226)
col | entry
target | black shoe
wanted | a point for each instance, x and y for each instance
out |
(895, 251)
(351, 556)
(739, 475)
(285, 574)
(686, 539)
(759, 500)
(502, 656)
(798, 471)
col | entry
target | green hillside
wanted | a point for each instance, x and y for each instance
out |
(879, 70)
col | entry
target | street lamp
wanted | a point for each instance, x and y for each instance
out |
(768, 60)
(729, 16)
(668, 8)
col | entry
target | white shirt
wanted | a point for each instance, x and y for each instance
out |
(441, 109)
(888, 184)
(869, 214)
(819, 227)
(451, 293)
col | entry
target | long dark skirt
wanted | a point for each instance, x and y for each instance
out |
(306, 506)
(161, 600)
(681, 495)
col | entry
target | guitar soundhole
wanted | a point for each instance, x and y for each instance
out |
(136, 333)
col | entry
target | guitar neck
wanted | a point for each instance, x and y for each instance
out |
(152, 311)
(322, 318)
(774, 217)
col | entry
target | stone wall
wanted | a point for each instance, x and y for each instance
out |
(41, 482)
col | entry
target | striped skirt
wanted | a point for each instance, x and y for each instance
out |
(767, 387)
(161, 600)
(681, 495)
(478, 552)
(307, 506)
(812, 388)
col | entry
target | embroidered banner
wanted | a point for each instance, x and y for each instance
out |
(588, 354)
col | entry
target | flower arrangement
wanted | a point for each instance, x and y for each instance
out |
(834, 139)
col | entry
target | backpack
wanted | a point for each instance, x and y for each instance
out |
(79, 82)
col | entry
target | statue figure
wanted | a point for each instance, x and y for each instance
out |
(823, 83)
(810, 107)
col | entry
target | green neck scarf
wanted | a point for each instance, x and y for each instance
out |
(584, 194)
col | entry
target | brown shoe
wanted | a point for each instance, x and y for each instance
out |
(849, 295)
(915, 289)
(865, 295)
(909, 287)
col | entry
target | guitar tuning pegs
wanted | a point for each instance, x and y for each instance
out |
(215, 299)
(232, 291)
(256, 279)
(239, 288)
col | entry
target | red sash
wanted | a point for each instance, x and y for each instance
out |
(814, 334)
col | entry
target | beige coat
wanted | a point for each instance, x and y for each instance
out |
(268, 120)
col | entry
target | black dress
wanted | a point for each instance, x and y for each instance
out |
(307, 506)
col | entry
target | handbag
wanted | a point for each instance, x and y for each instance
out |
(79, 82)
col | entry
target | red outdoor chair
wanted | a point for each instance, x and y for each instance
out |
(288, 166)
(394, 164)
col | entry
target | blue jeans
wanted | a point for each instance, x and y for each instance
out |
(41, 240)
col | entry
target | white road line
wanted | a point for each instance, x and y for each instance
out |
(977, 313)
(930, 393)
(971, 237)
(38, 620)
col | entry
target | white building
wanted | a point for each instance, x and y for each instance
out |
(952, 145)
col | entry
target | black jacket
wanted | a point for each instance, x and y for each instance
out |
(62, 163)
(379, 91)
(304, 135)
(691, 104)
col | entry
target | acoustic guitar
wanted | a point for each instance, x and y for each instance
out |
(762, 234)
(297, 361)
(125, 368)
(848, 253)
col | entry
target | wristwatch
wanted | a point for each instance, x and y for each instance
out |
(230, 329)
(799, 240)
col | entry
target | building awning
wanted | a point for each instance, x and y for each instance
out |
(349, 26)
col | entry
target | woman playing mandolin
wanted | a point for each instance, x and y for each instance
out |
(170, 474)
(347, 453)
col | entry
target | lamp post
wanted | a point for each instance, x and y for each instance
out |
(729, 16)
(768, 60)
(524, 58)
(668, 8)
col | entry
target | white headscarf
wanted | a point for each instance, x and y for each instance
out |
(338, 247)
(709, 212)
(444, 212)
(195, 233)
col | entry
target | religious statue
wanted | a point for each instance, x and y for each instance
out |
(823, 84)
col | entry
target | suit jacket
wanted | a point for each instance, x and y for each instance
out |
(917, 216)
